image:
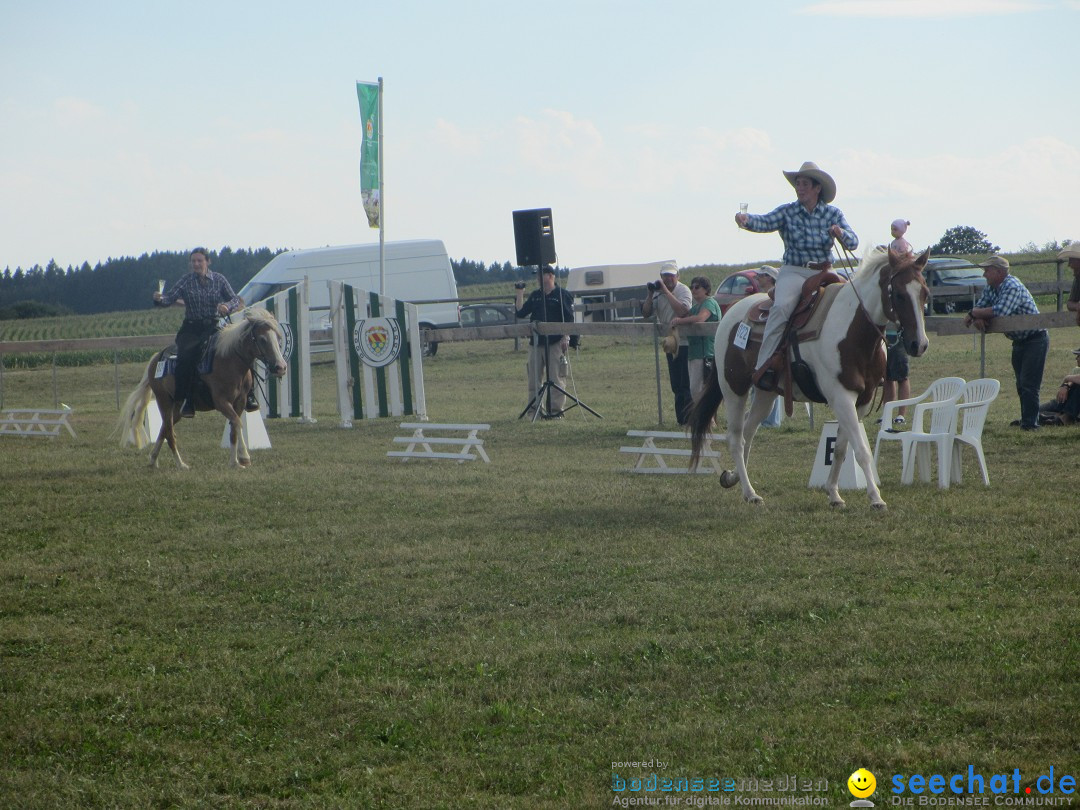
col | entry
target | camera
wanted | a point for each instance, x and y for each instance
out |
(519, 285)
(653, 286)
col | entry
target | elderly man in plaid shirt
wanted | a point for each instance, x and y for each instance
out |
(1006, 295)
(207, 296)
(808, 227)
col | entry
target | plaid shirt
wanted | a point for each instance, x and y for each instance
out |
(1010, 298)
(805, 233)
(202, 295)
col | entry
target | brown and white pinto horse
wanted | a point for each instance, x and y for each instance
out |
(848, 361)
(238, 346)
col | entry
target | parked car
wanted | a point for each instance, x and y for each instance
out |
(945, 272)
(736, 287)
(486, 314)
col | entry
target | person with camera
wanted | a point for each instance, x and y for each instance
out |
(558, 306)
(669, 299)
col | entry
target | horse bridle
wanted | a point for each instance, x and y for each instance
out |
(890, 313)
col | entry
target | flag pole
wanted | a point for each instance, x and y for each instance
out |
(382, 200)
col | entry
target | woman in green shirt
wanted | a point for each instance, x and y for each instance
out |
(700, 354)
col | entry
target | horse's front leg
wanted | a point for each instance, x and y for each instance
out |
(849, 433)
(243, 456)
(236, 439)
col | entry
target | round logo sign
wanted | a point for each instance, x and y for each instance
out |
(287, 344)
(377, 341)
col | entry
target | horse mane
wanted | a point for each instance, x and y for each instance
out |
(871, 263)
(230, 338)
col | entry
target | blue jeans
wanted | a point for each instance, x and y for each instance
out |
(1028, 361)
(678, 368)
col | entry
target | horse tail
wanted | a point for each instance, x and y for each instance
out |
(702, 414)
(130, 424)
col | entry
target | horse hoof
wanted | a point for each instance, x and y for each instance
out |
(881, 507)
(755, 499)
(728, 479)
(245, 463)
(838, 504)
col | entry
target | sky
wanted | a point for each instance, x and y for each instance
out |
(130, 127)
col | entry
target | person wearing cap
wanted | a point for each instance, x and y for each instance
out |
(1072, 255)
(1064, 408)
(1006, 295)
(558, 306)
(765, 276)
(808, 227)
(670, 299)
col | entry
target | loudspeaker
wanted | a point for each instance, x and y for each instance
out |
(534, 237)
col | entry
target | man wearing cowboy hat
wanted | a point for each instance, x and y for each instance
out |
(1006, 295)
(671, 299)
(1072, 254)
(808, 227)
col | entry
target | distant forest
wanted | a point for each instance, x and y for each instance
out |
(127, 283)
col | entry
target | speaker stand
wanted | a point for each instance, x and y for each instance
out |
(543, 396)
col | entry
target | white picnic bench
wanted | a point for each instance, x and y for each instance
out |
(650, 452)
(422, 439)
(35, 422)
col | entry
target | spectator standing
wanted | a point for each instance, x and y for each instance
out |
(1072, 255)
(558, 305)
(897, 385)
(1003, 296)
(668, 299)
(699, 355)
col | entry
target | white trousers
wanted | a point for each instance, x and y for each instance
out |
(789, 284)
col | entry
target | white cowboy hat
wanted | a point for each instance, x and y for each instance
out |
(1071, 252)
(808, 169)
(669, 269)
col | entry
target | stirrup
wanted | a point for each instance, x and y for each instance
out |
(252, 404)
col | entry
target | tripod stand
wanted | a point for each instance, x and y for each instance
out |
(540, 404)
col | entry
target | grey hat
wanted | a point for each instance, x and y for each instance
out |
(996, 261)
(768, 270)
(1071, 252)
(669, 269)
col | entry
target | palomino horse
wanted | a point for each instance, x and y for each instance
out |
(237, 347)
(848, 361)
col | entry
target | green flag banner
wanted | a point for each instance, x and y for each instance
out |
(369, 151)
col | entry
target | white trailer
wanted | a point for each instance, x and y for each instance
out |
(416, 270)
(610, 283)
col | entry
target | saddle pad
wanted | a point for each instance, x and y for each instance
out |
(166, 367)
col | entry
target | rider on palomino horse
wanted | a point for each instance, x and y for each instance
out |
(206, 295)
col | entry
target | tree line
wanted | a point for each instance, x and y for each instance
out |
(127, 283)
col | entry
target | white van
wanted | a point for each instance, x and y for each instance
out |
(609, 283)
(416, 270)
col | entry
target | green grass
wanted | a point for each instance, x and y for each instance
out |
(331, 628)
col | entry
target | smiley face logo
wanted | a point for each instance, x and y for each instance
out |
(861, 783)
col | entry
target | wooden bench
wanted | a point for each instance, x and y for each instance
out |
(35, 422)
(419, 437)
(650, 452)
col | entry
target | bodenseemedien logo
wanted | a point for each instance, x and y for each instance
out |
(862, 785)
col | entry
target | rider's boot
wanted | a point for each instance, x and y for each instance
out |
(252, 403)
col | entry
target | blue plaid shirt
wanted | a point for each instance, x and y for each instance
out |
(805, 233)
(1010, 298)
(202, 295)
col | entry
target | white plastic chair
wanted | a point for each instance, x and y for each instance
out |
(939, 390)
(971, 411)
(972, 405)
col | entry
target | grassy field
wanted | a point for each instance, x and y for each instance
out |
(333, 629)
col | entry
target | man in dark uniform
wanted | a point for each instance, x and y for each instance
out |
(552, 348)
